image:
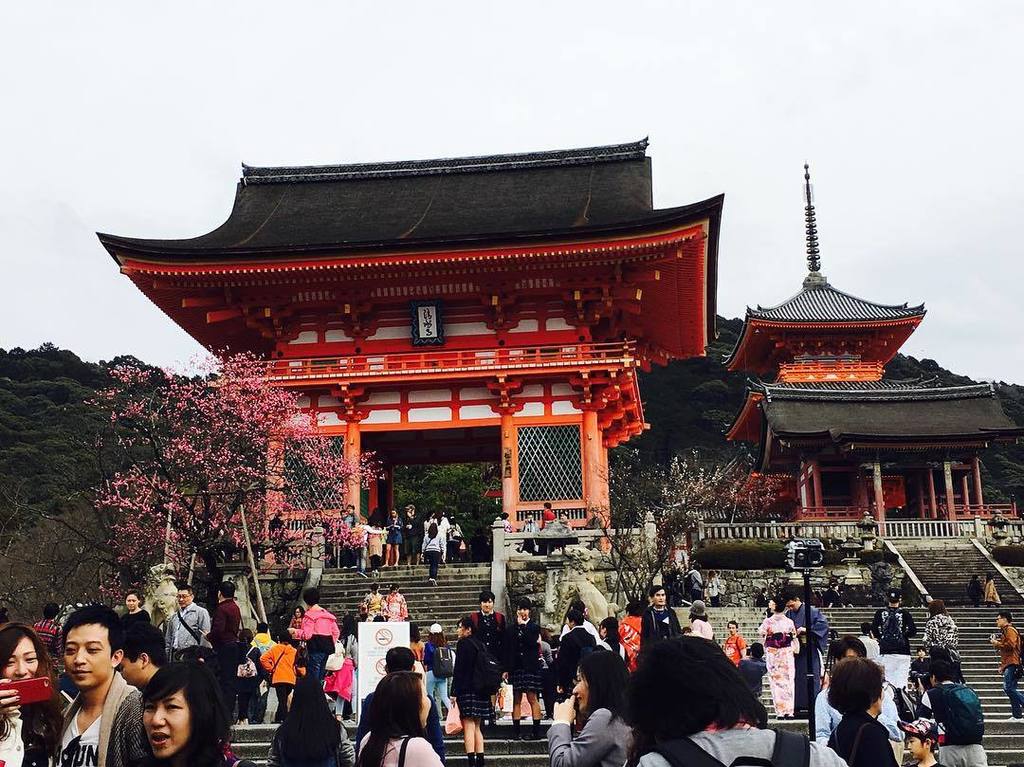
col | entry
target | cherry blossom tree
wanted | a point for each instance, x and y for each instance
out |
(195, 457)
(654, 507)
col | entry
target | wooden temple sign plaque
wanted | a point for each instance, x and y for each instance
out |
(427, 327)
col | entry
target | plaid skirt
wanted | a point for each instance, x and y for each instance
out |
(526, 681)
(474, 706)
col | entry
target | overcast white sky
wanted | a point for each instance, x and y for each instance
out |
(133, 119)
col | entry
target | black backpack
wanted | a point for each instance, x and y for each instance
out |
(893, 630)
(486, 672)
(791, 750)
(443, 663)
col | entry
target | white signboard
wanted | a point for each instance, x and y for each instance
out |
(375, 639)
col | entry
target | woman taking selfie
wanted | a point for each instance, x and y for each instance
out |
(397, 716)
(186, 720)
(29, 732)
(596, 703)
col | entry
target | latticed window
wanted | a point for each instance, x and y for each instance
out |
(304, 491)
(550, 464)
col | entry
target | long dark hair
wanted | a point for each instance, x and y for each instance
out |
(310, 731)
(394, 713)
(207, 712)
(349, 627)
(682, 686)
(41, 722)
(606, 677)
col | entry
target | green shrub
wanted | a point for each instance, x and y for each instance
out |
(1009, 555)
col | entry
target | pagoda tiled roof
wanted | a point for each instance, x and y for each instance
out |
(887, 411)
(517, 199)
(818, 301)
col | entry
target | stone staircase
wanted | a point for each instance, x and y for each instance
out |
(253, 742)
(945, 566)
(1004, 741)
(457, 592)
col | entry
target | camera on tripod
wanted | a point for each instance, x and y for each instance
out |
(804, 554)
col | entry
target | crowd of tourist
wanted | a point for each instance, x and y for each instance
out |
(649, 689)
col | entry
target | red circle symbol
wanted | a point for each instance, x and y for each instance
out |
(384, 637)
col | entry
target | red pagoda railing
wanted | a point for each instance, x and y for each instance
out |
(982, 510)
(437, 363)
(833, 513)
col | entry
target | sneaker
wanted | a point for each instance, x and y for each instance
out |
(363, 575)
(433, 581)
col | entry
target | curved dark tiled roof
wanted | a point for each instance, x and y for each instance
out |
(890, 411)
(635, 150)
(820, 302)
(864, 391)
(513, 198)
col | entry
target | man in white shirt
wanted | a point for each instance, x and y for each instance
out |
(103, 726)
(870, 643)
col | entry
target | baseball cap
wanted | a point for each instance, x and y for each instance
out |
(435, 628)
(921, 728)
(895, 595)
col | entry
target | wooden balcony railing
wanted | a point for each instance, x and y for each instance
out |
(440, 363)
(834, 513)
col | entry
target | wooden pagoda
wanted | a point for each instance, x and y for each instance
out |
(473, 309)
(853, 441)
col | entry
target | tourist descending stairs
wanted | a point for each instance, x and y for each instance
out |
(457, 594)
(945, 566)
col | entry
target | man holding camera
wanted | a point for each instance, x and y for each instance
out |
(1007, 642)
(813, 638)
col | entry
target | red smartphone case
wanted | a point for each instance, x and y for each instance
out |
(29, 690)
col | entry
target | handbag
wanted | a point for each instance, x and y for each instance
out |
(453, 722)
(336, 659)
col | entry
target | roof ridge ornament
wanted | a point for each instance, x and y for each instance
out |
(814, 279)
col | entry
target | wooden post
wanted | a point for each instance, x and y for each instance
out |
(876, 470)
(920, 496)
(509, 494)
(819, 501)
(252, 565)
(353, 452)
(947, 471)
(976, 471)
(596, 496)
(965, 489)
(932, 502)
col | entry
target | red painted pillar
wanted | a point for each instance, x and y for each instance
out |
(509, 473)
(819, 501)
(976, 471)
(932, 502)
(876, 470)
(353, 452)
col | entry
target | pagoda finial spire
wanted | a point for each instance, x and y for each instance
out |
(814, 276)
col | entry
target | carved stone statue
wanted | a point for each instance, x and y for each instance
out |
(160, 599)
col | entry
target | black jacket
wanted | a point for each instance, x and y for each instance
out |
(465, 661)
(649, 625)
(570, 652)
(873, 750)
(491, 633)
(523, 644)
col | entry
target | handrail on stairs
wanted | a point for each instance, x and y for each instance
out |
(918, 584)
(997, 567)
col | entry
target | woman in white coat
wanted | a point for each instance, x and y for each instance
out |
(29, 732)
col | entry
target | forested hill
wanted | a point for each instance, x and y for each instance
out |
(47, 427)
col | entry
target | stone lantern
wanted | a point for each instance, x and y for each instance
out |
(998, 523)
(851, 547)
(867, 529)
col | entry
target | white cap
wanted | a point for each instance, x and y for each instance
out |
(435, 628)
